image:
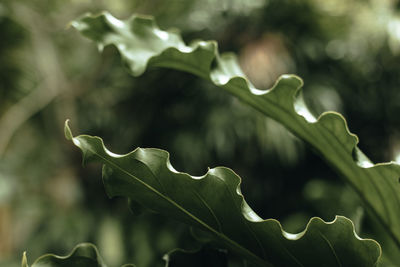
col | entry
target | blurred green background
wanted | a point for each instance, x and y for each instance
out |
(347, 52)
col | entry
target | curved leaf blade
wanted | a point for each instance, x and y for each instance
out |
(214, 203)
(83, 255)
(142, 44)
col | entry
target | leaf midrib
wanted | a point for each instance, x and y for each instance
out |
(244, 250)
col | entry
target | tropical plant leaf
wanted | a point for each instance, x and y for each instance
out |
(214, 204)
(142, 44)
(83, 255)
(204, 257)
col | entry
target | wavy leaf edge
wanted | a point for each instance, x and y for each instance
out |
(253, 218)
(69, 255)
(298, 103)
(81, 246)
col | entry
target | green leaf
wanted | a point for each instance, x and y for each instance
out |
(204, 257)
(142, 44)
(214, 204)
(83, 255)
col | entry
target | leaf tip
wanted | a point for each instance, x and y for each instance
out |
(67, 131)
(78, 23)
(24, 260)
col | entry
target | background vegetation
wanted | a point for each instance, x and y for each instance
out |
(346, 52)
